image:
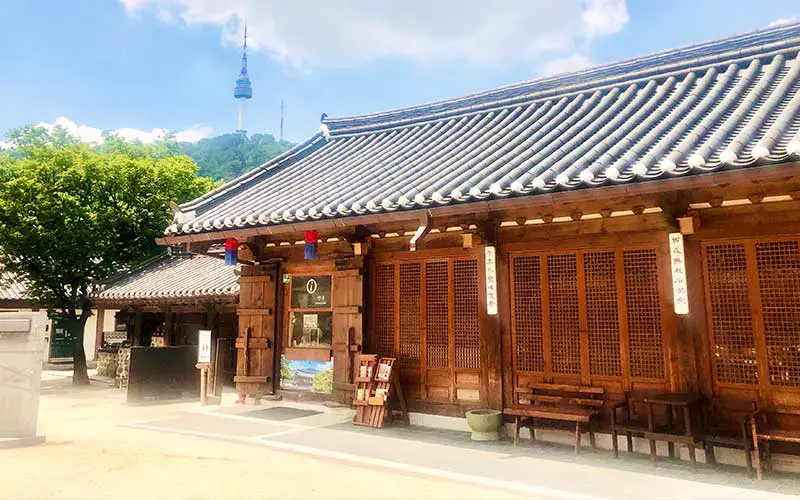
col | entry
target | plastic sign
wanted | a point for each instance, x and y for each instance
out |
(204, 346)
(677, 258)
(491, 281)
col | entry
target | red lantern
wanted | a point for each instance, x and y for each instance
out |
(312, 240)
(231, 251)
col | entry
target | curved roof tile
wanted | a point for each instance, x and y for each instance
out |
(175, 278)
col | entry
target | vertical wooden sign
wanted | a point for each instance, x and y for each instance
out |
(491, 280)
(677, 257)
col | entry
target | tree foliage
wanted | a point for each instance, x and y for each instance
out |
(72, 216)
(231, 155)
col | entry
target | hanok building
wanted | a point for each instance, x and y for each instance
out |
(166, 301)
(634, 226)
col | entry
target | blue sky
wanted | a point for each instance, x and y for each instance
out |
(140, 65)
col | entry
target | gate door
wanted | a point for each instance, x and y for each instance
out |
(255, 344)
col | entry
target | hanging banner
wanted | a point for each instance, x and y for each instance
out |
(491, 281)
(677, 259)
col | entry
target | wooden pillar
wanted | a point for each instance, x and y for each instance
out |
(692, 328)
(168, 326)
(98, 330)
(212, 323)
(492, 331)
(138, 318)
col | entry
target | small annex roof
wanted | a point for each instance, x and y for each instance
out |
(727, 104)
(177, 278)
(12, 290)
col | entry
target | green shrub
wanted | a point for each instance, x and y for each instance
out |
(323, 381)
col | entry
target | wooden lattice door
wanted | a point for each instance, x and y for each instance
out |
(589, 316)
(753, 306)
(255, 343)
(427, 314)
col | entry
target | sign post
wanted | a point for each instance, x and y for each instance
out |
(203, 361)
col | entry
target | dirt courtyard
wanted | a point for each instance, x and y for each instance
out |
(89, 453)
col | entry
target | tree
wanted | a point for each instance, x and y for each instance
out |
(72, 216)
(230, 155)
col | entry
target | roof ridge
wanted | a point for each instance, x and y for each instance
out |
(484, 96)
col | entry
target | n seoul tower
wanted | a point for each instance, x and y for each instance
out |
(243, 90)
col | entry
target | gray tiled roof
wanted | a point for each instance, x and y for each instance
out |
(11, 288)
(726, 104)
(186, 277)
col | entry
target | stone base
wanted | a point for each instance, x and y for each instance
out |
(6, 443)
(486, 436)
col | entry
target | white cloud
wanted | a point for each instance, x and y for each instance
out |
(604, 17)
(94, 135)
(338, 33)
(783, 20)
(574, 62)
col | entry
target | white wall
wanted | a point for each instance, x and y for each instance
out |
(89, 333)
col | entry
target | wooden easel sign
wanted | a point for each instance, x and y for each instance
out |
(375, 383)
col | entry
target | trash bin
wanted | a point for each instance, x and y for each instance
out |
(20, 379)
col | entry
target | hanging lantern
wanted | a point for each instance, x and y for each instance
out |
(231, 252)
(312, 240)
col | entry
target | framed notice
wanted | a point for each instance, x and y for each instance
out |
(204, 346)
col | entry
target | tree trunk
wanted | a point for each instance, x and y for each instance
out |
(76, 325)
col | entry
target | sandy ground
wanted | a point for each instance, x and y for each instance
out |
(89, 454)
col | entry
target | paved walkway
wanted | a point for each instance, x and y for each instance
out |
(542, 470)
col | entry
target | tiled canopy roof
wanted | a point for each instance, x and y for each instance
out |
(727, 104)
(11, 288)
(174, 278)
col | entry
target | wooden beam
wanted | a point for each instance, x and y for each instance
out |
(138, 317)
(423, 229)
(98, 329)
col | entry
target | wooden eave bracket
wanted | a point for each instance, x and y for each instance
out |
(423, 229)
(690, 223)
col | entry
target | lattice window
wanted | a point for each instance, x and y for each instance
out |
(779, 284)
(437, 314)
(466, 313)
(384, 310)
(528, 348)
(601, 313)
(731, 316)
(410, 314)
(645, 335)
(562, 285)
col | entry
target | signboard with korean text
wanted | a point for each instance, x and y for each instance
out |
(677, 259)
(204, 346)
(491, 281)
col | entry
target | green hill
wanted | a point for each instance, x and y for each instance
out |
(230, 155)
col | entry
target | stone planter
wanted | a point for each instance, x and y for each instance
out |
(485, 424)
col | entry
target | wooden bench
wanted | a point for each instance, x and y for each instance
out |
(556, 402)
(726, 425)
(765, 431)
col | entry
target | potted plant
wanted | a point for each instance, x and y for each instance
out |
(485, 424)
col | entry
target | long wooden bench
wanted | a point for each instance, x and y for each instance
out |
(556, 402)
(765, 431)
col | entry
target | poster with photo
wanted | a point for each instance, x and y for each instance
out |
(308, 376)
